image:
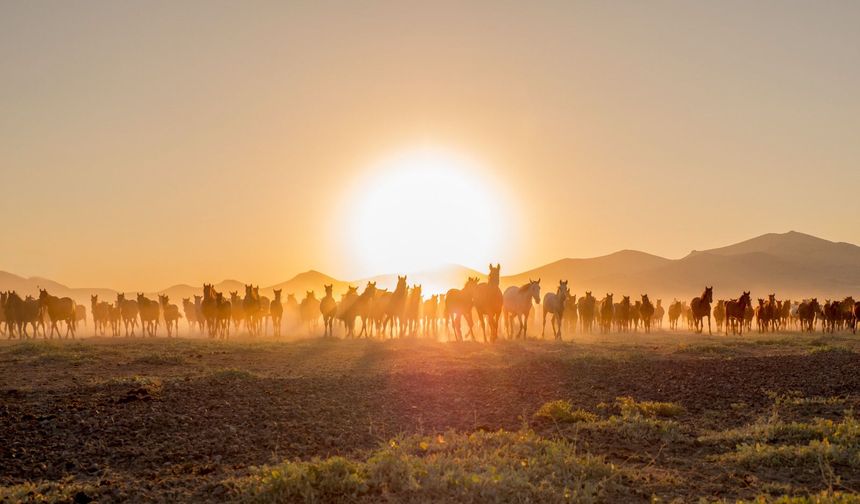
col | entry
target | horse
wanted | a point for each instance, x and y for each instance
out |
(251, 309)
(23, 312)
(736, 313)
(658, 313)
(430, 321)
(587, 308)
(622, 314)
(488, 303)
(720, 314)
(855, 317)
(517, 303)
(346, 310)
(553, 305)
(171, 315)
(412, 312)
(646, 310)
(59, 310)
(570, 313)
(276, 309)
(700, 307)
(80, 314)
(101, 314)
(237, 312)
(292, 312)
(328, 309)
(150, 311)
(394, 307)
(458, 305)
(265, 313)
(310, 310)
(223, 314)
(190, 310)
(676, 309)
(363, 309)
(209, 309)
(607, 313)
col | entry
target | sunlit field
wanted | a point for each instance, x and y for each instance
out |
(596, 418)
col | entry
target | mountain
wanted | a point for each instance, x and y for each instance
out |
(790, 264)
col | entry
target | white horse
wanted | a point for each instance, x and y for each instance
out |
(517, 302)
(553, 304)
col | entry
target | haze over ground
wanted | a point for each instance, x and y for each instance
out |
(145, 145)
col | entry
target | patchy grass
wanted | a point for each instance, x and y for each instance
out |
(826, 497)
(48, 492)
(649, 409)
(562, 411)
(825, 348)
(635, 427)
(794, 444)
(686, 349)
(479, 467)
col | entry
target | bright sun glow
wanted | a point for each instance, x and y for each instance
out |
(423, 208)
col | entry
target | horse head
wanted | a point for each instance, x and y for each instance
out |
(709, 294)
(277, 294)
(328, 289)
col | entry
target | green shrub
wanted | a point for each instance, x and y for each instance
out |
(562, 411)
(479, 467)
(650, 409)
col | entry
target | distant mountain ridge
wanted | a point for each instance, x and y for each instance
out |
(789, 264)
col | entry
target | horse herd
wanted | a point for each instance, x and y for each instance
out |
(404, 311)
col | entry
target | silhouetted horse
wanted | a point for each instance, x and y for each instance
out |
(394, 308)
(363, 309)
(553, 305)
(251, 309)
(59, 310)
(700, 307)
(276, 309)
(488, 303)
(646, 311)
(607, 313)
(430, 320)
(735, 313)
(587, 308)
(517, 303)
(209, 309)
(149, 314)
(458, 305)
(171, 315)
(101, 311)
(328, 309)
(570, 316)
(310, 310)
(223, 314)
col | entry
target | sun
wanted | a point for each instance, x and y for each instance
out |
(422, 208)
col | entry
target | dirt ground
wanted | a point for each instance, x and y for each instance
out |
(171, 420)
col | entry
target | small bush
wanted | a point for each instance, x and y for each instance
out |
(562, 411)
(479, 467)
(650, 409)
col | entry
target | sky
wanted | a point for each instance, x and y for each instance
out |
(144, 144)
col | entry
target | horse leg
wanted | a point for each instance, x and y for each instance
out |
(709, 325)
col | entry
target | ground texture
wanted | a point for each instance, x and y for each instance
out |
(195, 420)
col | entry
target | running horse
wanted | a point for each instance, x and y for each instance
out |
(554, 305)
(488, 303)
(517, 305)
(701, 307)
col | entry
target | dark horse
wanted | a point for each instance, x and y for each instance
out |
(736, 312)
(701, 307)
(458, 305)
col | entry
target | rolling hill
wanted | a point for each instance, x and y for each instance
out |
(790, 264)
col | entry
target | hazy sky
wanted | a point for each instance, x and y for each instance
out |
(144, 144)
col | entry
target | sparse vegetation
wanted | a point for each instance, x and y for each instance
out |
(649, 409)
(562, 411)
(479, 467)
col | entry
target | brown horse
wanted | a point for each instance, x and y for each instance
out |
(101, 314)
(20, 313)
(607, 313)
(276, 309)
(363, 309)
(59, 310)
(570, 316)
(488, 303)
(328, 309)
(720, 314)
(394, 308)
(223, 315)
(310, 310)
(736, 313)
(458, 305)
(412, 312)
(150, 311)
(700, 307)
(251, 309)
(209, 309)
(171, 315)
(430, 321)
(587, 308)
(646, 311)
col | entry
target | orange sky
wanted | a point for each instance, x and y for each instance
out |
(144, 144)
